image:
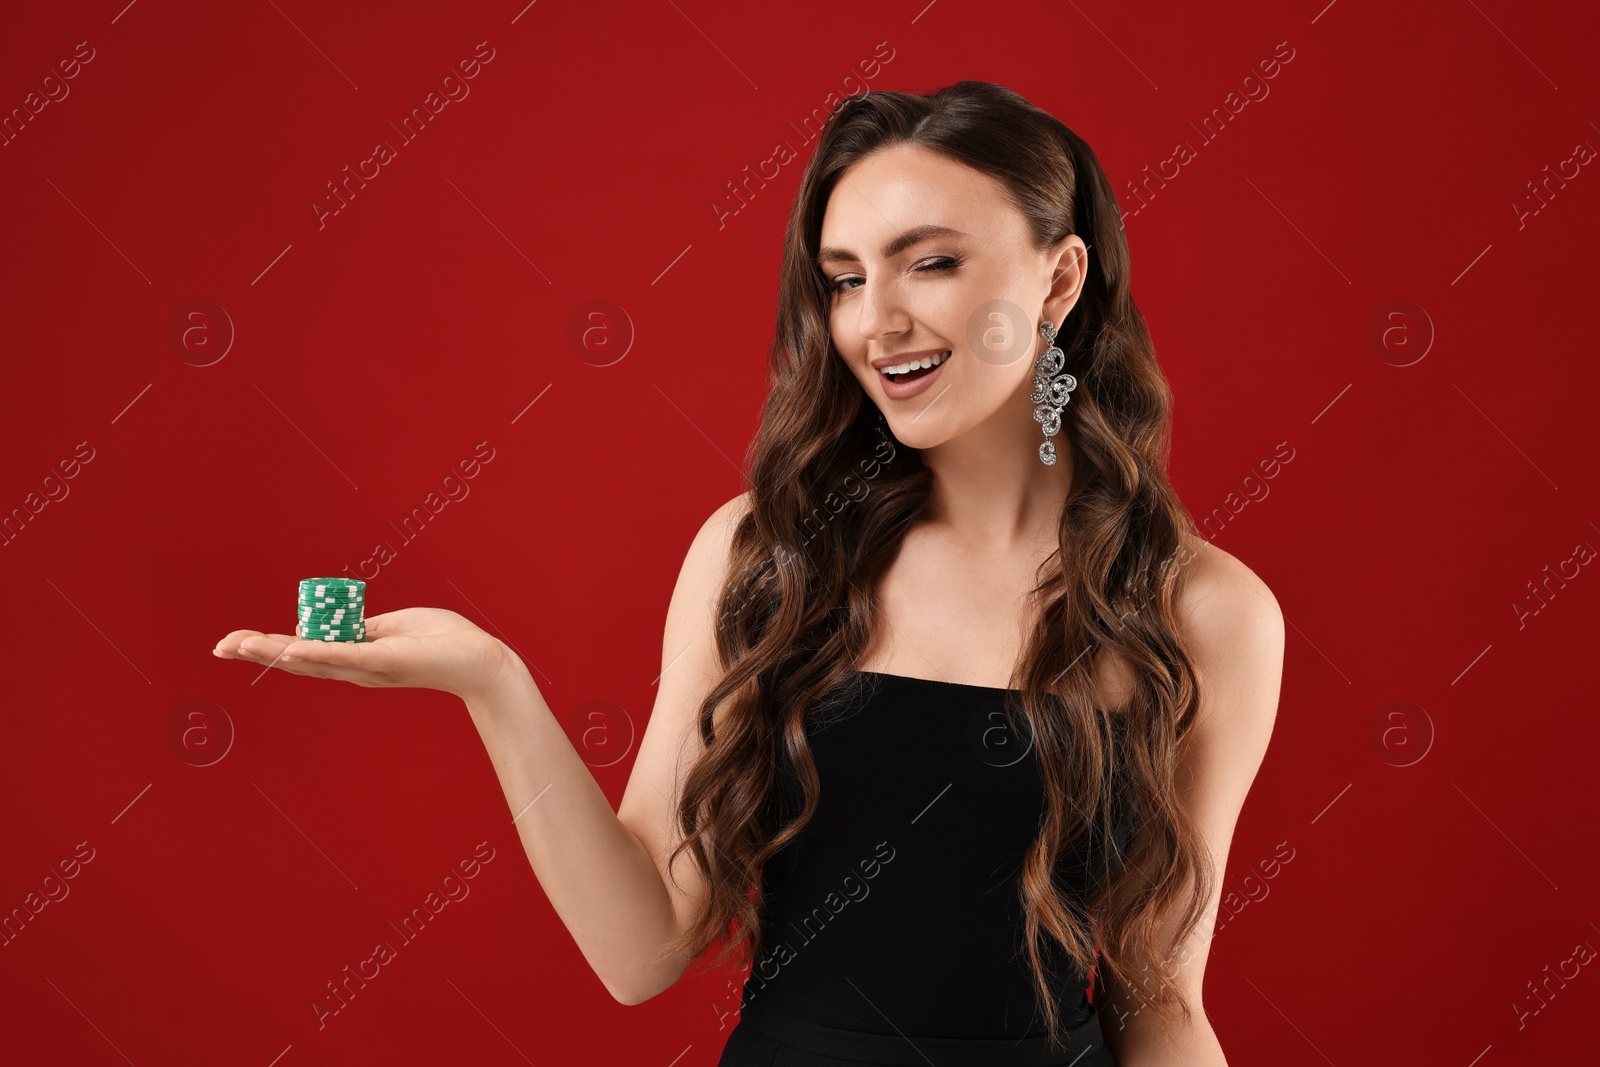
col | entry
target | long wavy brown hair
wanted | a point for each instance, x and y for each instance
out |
(830, 503)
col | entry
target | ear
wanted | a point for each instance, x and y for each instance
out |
(1068, 265)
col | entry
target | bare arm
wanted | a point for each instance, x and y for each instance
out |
(597, 874)
(604, 871)
(1235, 630)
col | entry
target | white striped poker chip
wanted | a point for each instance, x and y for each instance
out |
(347, 633)
(341, 584)
(332, 590)
(332, 601)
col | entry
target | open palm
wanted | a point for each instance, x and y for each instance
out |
(419, 648)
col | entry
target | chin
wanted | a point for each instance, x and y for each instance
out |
(920, 435)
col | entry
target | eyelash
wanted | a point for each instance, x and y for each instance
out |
(941, 264)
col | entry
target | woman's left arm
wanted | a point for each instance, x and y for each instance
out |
(1233, 629)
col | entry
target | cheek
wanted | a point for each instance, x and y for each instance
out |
(839, 333)
(843, 356)
(848, 350)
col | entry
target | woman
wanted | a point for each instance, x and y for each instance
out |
(957, 711)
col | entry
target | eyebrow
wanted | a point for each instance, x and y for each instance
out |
(915, 235)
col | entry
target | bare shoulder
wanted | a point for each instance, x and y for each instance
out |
(705, 571)
(1225, 612)
(716, 533)
(709, 556)
(1217, 586)
(727, 516)
(1233, 628)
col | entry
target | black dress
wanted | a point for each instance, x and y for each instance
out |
(892, 928)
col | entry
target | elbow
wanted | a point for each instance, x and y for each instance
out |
(625, 998)
(639, 983)
(631, 994)
(625, 994)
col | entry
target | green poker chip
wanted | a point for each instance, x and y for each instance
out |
(330, 609)
(338, 587)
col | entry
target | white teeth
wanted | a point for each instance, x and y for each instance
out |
(925, 361)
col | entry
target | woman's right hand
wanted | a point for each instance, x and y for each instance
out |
(419, 648)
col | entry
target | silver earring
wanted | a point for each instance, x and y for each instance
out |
(1051, 391)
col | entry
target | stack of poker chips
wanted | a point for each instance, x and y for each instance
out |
(330, 610)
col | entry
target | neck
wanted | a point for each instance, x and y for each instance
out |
(990, 487)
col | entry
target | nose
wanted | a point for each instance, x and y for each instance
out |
(880, 308)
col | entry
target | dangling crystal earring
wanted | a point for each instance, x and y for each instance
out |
(1051, 391)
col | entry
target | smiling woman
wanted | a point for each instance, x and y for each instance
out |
(1013, 661)
(954, 268)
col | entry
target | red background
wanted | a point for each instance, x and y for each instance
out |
(374, 353)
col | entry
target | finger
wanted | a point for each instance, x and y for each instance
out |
(312, 669)
(263, 648)
(363, 656)
(228, 647)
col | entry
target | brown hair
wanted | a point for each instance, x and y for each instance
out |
(798, 608)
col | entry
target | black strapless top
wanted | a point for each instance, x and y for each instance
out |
(896, 910)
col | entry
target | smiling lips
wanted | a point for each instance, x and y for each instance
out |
(914, 364)
(905, 380)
